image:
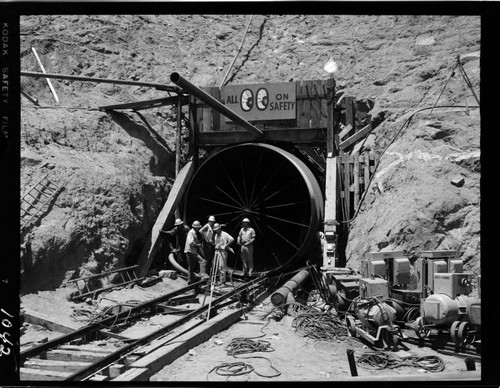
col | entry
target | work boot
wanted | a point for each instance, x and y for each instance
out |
(203, 272)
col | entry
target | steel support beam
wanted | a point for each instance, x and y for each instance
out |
(140, 105)
(99, 80)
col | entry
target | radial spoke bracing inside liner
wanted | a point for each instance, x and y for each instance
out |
(271, 187)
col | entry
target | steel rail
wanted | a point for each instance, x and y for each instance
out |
(103, 363)
(187, 86)
(98, 325)
(437, 345)
(100, 80)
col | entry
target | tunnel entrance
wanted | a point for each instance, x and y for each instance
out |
(271, 187)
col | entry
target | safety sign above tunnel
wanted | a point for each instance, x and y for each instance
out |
(275, 101)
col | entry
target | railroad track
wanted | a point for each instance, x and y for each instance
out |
(446, 347)
(72, 357)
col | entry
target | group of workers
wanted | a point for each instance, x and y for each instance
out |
(208, 246)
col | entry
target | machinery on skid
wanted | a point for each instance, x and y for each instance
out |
(447, 304)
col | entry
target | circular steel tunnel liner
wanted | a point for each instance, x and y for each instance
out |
(270, 186)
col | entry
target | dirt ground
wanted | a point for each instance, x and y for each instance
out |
(293, 357)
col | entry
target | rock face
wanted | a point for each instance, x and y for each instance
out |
(117, 171)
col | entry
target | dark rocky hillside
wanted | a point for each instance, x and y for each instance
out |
(117, 176)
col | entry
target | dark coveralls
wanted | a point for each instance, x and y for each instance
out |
(177, 242)
(194, 254)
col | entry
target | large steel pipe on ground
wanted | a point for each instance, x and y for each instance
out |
(280, 296)
(270, 186)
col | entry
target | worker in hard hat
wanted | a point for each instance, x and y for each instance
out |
(222, 242)
(179, 234)
(208, 241)
(246, 238)
(194, 252)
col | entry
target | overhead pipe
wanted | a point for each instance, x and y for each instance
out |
(99, 80)
(187, 86)
(280, 296)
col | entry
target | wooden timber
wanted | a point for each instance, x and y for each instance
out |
(345, 131)
(356, 180)
(331, 190)
(29, 374)
(41, 374)
(331, 118)
(355, 171)
(37, 318)
(71, 355)
(349, 113)
(167, 213)
(55, 365)
(156, 360)
(308, 136)
(354, 138)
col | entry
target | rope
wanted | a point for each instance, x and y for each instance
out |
(386, 360)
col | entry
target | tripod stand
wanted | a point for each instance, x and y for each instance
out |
(213, 276)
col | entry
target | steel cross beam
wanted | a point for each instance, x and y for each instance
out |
(99, 80)
(139, 105)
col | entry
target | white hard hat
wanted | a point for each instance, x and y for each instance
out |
(216, 226)
(196, 224)
(211, 218)
(178, 222)
(245, 220)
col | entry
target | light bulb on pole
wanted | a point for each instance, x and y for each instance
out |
(331, 67)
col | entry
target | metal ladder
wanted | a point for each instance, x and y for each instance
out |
(36, 199)
(127, 274)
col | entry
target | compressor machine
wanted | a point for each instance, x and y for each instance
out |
(447, 304)
(384, 300)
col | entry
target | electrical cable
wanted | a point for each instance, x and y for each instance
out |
(242, 345)
(237, 52)
(245, 345)
(320, 284)
(320, 326)
(386, 360)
